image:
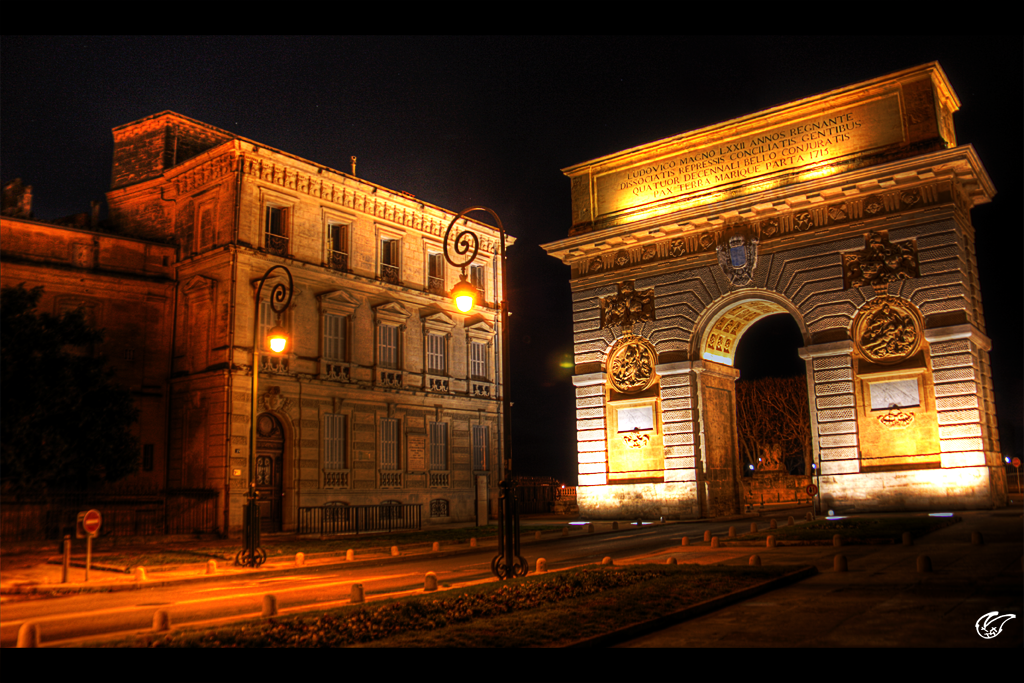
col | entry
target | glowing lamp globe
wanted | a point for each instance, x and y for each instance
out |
(278, 340)
(464, 294)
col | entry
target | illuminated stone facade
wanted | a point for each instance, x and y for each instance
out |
(387, 392)
(850, 212)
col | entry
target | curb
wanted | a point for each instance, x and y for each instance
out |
(694, 611)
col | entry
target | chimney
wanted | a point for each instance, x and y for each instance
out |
(17, 199)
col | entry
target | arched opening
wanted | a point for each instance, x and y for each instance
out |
(269, 472)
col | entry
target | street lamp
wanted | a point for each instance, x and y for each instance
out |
(251, 554)
(508, 563)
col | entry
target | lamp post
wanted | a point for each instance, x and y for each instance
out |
(508, 563)
(251, 554)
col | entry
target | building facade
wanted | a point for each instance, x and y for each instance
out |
(386, 393)
(850, 212)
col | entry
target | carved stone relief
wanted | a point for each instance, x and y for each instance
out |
(887, 330)
(880, 262)
(631, 365)
(627, 307)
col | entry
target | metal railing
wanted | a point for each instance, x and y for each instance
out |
(355, 519)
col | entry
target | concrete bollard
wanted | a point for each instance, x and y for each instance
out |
(686, 540)
(430, 582)
(436, 548)
(907, 538)
(770, 542)
(707, 535)
(28, 634)
(714, 542)
(565, 531)
(790, 521)
(211, 567)
(837, 540)
(350, 555)
(773, 524)
(671, 560)
(839, 563)
(394, 551)
(753, 527)
(542, 565)
(590, 528)
(607, 561)
(809, 516)
(161, 620)
(924, 563)
(472, 543)
(269, 605)
(732, 532)
(755, 561)
(140, 573)
(300, 559)
(976, 538)
(357, 592)
(536, 536)
(615, 526)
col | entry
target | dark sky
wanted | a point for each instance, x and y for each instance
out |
(467, 121)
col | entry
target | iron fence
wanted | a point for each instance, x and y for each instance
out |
(147, 514)
(349, 519)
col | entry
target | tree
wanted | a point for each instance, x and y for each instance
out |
(773, 412)
(66, 424)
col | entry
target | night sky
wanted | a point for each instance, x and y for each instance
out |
(491, 121)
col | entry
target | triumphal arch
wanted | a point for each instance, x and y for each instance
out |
(850, 212)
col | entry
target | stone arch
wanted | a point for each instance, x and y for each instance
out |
(284, 511)
(723, 323)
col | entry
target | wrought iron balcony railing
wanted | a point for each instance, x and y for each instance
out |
(338, 260)
(390, 274)
(276, 244)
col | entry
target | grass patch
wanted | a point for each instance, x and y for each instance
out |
(536, 611)
(853, 529)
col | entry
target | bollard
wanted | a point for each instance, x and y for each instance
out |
(662, 520)
(472, 543)
(300, 559)
(615, 526)
(211, 567)
(28, 634)
(753, 527)
(542, 565)
(671, 560)
(907, 538)
(755, 561)
(714, 542)
(67, 559)
(839, 563)
(976, 538)
(809, 516)
(269, 605)
(161, 620)
(350, 555)
(394, 551)
(686, 540)
(536, 536)
(770, 543)
(565, 531)
(707, 535)
(357, 592)
(773, 524)
(436, 548)
(837, 540)
(140, 573)
(790, 521)
(430, 582)
(924, 563)
(590, 528)
(606, 560)
(732, 532)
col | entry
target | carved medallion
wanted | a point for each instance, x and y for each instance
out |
(737, 255)
(880, 262)
(896, 419)
(888, 330)
(628, 306)
(631, 365)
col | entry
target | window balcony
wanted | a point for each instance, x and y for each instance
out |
(336, 371)
(438, 385)
(390, 274)
(440, 480)
(336, 479)
(276, 244)
(435, 285)
(390, 480)
(338, 260)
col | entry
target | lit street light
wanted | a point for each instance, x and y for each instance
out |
(508, 563)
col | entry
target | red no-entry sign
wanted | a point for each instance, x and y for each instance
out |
(811, 490)
(91, 522)
(1016, 462)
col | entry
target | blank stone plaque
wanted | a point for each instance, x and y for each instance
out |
(901, 393)
(635, 418)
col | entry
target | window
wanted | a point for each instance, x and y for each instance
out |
(336, 337)
(437, 357)
(389, 261)
(435, 274)
(387, 346)
(206, 227)
(268, 319)
(438, 445)
(476, 276)
(439, 507)
(274, 236)
(337, 246)
(480, 443)
(389, 444)
(478, 360)
(335, 438)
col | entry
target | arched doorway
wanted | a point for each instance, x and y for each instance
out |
(269, 471)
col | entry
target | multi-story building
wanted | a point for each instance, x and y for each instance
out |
(386, 394)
